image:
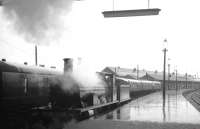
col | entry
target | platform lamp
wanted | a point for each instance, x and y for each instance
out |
(134, 12)
(164, 65)
(176, 79)
(168, 87)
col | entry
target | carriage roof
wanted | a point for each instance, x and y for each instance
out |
(138, 81)
(13, 67)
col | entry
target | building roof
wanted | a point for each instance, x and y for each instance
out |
(123, 72)
(127, 72)
(159, 77)
(148, 75)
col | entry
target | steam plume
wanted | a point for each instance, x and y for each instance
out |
(85, 76)
(37, 19)
(82, 75)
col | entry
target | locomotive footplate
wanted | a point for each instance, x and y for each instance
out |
(124, 101)
(93, 110)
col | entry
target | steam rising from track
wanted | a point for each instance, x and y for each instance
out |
(37, 19)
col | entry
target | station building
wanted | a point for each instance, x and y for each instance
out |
(125, 72)
(173, 81)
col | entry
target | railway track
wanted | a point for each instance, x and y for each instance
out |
(193, 97)
(196, 97)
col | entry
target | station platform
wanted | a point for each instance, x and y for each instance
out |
(93, 110)
(95, 107)
(110, 124)
(193, 96)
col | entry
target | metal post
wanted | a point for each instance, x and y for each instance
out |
(176, 81)
(1, 3)
(186, 81)
(113, 87)
(168, 75)
(165, 50)
(113, 5)
(137, 72)
(36, 55)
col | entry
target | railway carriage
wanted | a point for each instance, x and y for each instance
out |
(139, 87)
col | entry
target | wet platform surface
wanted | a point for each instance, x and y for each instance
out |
(151, 108)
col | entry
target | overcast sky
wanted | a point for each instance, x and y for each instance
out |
(123, 42)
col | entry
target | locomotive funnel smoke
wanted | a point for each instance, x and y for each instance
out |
(68, 82)
(81, 75)
(37, 20)
(86, 77)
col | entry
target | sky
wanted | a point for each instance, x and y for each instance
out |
(83, 32)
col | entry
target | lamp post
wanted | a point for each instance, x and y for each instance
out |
(168, 82)
(176, 80)
(137, 72)
(186, 85)
(164, 64)
(168, 76)
(36, 57)
(1, 3)
(164, 50)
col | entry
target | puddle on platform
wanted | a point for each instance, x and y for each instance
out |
(151, 108)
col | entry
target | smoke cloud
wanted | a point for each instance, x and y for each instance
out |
(82, 76)
(37, 20)
(87, 78)
(82, 79)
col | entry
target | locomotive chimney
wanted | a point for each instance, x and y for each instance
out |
(4, 60)
(41, 65)
(53, 67)
(68, 65)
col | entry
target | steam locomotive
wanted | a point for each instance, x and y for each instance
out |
(27, 88)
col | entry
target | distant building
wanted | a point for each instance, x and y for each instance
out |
(124, 72)
(173, 82)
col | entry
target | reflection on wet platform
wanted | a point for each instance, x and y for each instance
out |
(151, 108)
